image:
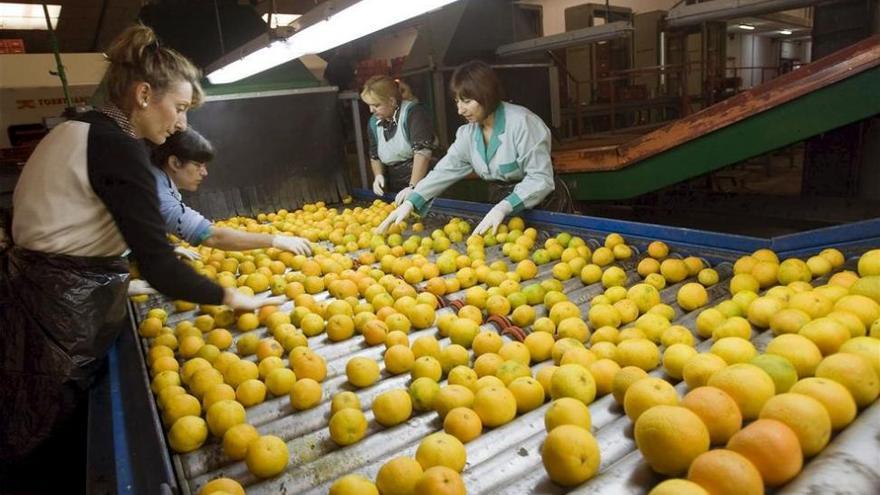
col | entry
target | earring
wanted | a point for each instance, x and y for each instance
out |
(144, 104)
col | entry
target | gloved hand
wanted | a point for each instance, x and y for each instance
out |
(379, 185)
(139, 287)
(239, 301)
(494, 218)
(395, 216)
(403, 194)
(296, 245)
(186, 253)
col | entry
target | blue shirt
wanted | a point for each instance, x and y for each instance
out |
(180, 220)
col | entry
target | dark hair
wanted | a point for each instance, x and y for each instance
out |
(475, 80)
(136, 55)
(186, 145)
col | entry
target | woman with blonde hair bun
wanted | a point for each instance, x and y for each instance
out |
(85, 200)
(401, 136)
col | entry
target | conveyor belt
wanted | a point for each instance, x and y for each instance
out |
(505, 459)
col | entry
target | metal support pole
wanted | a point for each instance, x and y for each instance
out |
(61, 75)
(359, 139)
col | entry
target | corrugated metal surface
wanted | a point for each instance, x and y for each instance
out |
(502, 460)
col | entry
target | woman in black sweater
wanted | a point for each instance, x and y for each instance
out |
(85, 200)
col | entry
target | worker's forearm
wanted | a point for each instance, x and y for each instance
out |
(236, 240)
(420, 168)
(377, 167)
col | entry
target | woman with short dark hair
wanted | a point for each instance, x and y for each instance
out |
(505, 144)
(182, 163)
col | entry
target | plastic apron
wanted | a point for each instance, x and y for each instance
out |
(396, 153)
(59, 315)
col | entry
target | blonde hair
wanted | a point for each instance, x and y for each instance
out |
(136, 56)
(385, 88)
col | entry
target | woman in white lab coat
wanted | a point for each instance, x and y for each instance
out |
(504, 144)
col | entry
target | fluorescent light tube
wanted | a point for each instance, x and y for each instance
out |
(27, 16)
(785, 31)
(356, 21)
(747, 27)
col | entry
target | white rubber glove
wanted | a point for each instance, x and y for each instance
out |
(379, 185)
(395, 216)
(403, 194)
(186, 253)
(239, 301)
(494, 218)
(296, 245)
(140, 287)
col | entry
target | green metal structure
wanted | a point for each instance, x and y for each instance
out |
(849, 100)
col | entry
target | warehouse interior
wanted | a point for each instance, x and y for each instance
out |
(718, 128)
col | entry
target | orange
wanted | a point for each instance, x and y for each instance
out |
(348, 426)
(440, 480)
(799, 350)
(567, 411)
(392, 407)
(399, 476)
(237, 439)
(528, 392)
(573, 380)
(603, 372)
(178, 406)
(495, 406)
(675, 357)
(452, 396)
(855, 373)
(725, 472)
(718, 411)
(353, 484)
(647, 393)
(772, 447)
(188, 433)
(305, 394)
(747, 384)
(623, 379)
(223, 415)
(308, 364)
(678, 487)
(423, 392)
(638, 352)
(670, 437)
(343, 400)
(399, 359)
(835, 397)
(698, 369)
(806, 416)
(827, 333)
(441, 449)
(570, 455)
(463, 423)
(223, 485)
(250, 392)
(867, 347)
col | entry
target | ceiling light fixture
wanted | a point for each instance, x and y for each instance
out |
(27, 16)
(324, 33)
(746, 27)
(786, 32)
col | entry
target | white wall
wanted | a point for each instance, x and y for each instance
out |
(554, 10)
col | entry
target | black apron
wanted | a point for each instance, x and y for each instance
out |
(559, 201)
(59, 315)
(397, 176)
